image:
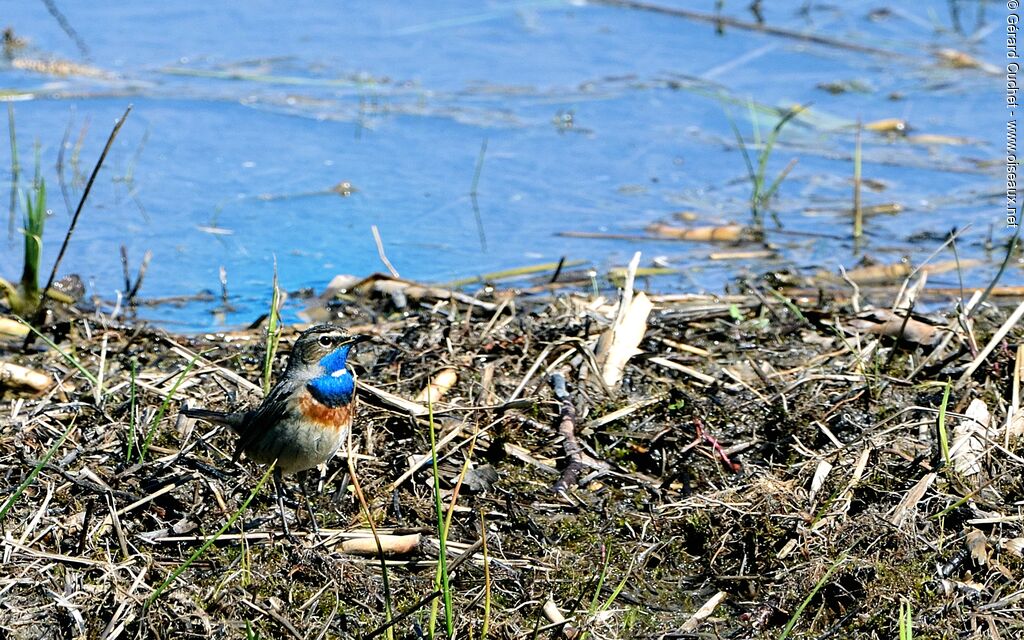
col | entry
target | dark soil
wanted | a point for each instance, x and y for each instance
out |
(785, 482)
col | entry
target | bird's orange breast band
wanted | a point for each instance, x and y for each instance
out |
(321, 414)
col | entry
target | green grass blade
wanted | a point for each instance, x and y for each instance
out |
(206, 545)
(68, 357)
(442, 532)
(272, 334)
(144, 449)
(810, 596)
(487, 579)
(774, 186)
(131, 411)
(906, 621)
(769, 143)
(605, 562)
(15, 170)
(743, 150)
(35, 472)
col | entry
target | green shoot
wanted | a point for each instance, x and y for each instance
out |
(132, 426)
(206, 545)
(144, 449)
(606, 562)
(273, 335)
(441, 581)
(68, 357)
(810, 596)
(761, 192)
(250, 633)
(596, 605)
(35, 219)
(35, 472)
(487, 579)
(735, 313)
(906, 621)
(795, 310)
(15, 169)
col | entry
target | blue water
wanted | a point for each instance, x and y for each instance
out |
(397, 99)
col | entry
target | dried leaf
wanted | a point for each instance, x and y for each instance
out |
(820, 474)
(910, 500)
(969, 439)
(621, 341)
(977, 544)
(1014, 546)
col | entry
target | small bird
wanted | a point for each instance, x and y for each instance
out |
(306, 417)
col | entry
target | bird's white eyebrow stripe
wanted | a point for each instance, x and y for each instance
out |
(338, 373)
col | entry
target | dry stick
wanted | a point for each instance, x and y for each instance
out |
(466, 554)
(62, 20)
(139, 276)
(380, 252)
(60, 164)
(999, 273)
(1010, 323)
(720, 20)
(280, 619)
(529, 374)
(41, 311)
(567, 429)
(960, 321)
(124, 269)
(132, 289)
(472, 195)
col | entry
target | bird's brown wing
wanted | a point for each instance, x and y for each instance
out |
(257, 422)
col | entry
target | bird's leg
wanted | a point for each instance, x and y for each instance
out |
(279, 484)
(309, 505)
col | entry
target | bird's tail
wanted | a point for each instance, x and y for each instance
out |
(233, 420)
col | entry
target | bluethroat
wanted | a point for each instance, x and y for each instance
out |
(306, 417)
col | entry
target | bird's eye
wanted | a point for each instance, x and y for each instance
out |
(326, 341)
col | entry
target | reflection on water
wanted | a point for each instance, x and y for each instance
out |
(249, 122)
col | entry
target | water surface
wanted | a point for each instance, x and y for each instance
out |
(596, 118)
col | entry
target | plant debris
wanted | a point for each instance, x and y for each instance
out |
(758, 463)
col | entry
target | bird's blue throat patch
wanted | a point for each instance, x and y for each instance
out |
(336, 386)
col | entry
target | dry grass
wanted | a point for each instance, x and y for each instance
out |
(797, 480)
